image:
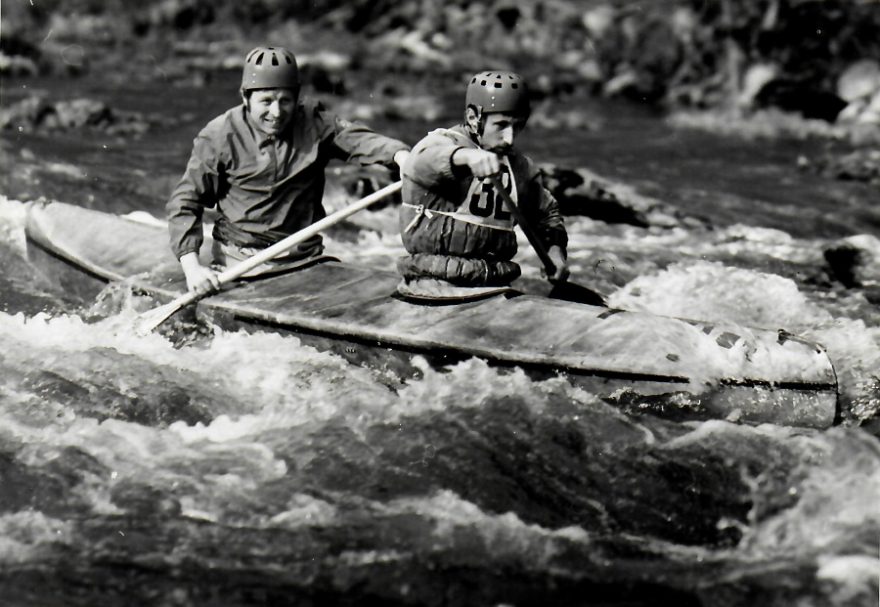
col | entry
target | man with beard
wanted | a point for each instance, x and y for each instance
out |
(455, 226)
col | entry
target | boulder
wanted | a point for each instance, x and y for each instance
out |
(801, 97)
(855, 261)
(859, 87)
(579, 191)
(17, 65)
(859, 81)
(754, 79)
(859, 165)
(38, 114)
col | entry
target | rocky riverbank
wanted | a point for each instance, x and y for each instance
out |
(808, 56)
(764, 67)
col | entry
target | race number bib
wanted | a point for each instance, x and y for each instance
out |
(483, 205)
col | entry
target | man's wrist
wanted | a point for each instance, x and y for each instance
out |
(189, 260)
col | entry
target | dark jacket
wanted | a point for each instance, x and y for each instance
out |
(266, 188)
(432, 183)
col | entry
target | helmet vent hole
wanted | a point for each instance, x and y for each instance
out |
(514, 86)
(274, 59)
(259, 60)
(498, 85)
(482, 83)
(288, 59)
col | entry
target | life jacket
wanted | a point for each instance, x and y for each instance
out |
(460, 231)
(460, 271)
(481, 206)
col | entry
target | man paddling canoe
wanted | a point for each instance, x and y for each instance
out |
(455, 226)
(261, 164)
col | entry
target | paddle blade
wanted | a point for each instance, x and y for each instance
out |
(149, 321)
(570, 291)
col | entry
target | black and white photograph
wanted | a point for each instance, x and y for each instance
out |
(423, 303)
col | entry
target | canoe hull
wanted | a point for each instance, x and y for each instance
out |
(643, 363)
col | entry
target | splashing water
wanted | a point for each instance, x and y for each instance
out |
(742, 296)
(245, 469)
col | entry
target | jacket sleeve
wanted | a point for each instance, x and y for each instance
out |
(430, 162)
(197, 190)
(543, 211)
(355, 142)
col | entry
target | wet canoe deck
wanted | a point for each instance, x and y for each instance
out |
(725, 370)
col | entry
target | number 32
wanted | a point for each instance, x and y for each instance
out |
(484, 203)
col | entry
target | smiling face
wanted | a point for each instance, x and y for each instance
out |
(499, 130)
(271, 110)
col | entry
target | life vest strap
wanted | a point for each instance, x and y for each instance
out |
(429, 213)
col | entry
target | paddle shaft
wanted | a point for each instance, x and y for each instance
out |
(562, 289)
(271, 252)
(282, 246)
(530, 233)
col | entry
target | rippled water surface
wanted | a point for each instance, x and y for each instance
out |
(251, 469)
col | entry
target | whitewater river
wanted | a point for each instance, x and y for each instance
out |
(248, 469)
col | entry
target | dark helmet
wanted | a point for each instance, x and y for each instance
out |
(499, 92)
(268, 67)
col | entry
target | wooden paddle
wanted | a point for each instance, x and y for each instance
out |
(148, 321)
(561, 289)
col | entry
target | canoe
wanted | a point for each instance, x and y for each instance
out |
(643, 363)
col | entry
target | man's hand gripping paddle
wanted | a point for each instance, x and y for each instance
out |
(561, 289)
(148, 321)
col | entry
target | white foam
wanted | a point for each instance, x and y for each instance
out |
(24, 534)
(503, 535)
(855, 577)
(713, 291)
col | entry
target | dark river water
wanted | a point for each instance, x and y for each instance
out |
(250, 469)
